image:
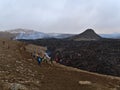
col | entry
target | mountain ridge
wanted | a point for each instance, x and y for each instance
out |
(32, 34)
(20, 33)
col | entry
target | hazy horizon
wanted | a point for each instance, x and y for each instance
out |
(61, 16)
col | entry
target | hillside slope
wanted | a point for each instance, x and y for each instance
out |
(19, 72)
(7, 35)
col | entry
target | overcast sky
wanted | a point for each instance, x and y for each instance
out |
(61, 16)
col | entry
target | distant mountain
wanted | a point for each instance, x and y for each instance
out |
(20, 30)
(114, 35)
(27, 34)
(31, 34)
(87, 35)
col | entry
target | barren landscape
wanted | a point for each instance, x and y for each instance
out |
(19, 72)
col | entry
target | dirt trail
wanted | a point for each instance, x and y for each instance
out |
(19, 72)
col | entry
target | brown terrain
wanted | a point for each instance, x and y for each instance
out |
(18, 71)
(7, 35)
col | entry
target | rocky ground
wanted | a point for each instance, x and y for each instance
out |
(101, 56)
(19, 72)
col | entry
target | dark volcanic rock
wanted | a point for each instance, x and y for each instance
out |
(102, 56)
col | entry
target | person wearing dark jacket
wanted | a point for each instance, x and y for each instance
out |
(39, 59)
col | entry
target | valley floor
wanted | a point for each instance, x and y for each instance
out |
(19, 72)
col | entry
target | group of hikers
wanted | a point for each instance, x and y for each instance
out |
(41, 57)
(46, 56)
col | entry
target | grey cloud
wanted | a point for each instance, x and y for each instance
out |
(67, 16)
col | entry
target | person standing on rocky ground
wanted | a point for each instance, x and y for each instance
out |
(50, 56)
(3, 42)
(39, 59)
(24, 48)
(51, 60)
(33, 55)
(46, 57)
(8, 47)
(57, 56)
(53, 57)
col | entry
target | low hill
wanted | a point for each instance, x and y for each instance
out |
(87, 35)
(19, 72)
